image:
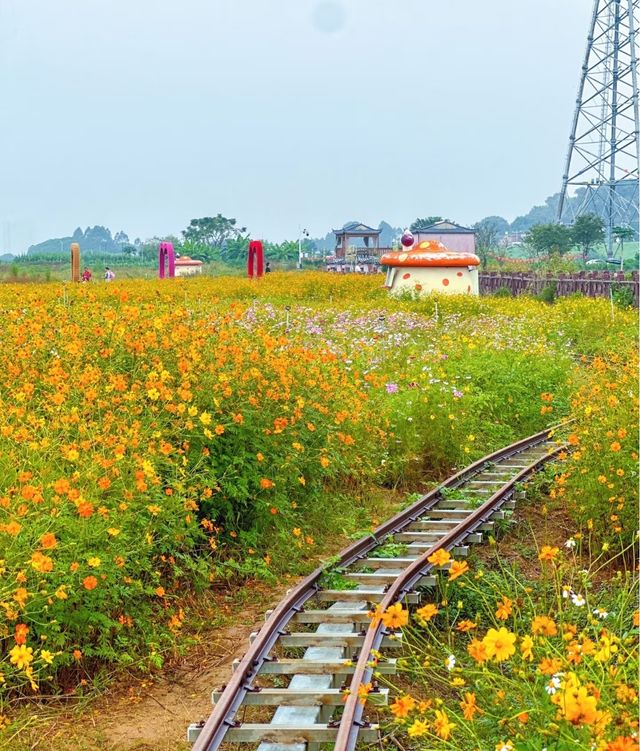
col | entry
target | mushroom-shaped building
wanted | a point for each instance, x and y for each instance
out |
(430, 267)
(186, 266)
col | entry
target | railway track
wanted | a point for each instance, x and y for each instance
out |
(315, 648)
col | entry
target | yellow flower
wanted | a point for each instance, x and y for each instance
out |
(47, 656)
(526, 647)
(205, 418)
(427, 612)
(60, 592)
(499, 644)
(417, 729)
(94, 562)
(440, 558)
(442, 726)
(21, 656)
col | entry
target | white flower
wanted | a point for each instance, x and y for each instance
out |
(450, 662)
(601, 613)
(554, 684)
(578, 600)
(570, 543)
(567, 591)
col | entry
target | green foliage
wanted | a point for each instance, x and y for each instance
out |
(419, 224)
(548, 239)
(586, 232)
(548, 293)
(390, 549)
(622, 295)
(214, 232)
(503, 292)
(335, 579)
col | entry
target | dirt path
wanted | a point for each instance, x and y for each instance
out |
(149, 714)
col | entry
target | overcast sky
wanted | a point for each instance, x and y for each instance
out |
(142, 114)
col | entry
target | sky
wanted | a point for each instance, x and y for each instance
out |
(285, 114)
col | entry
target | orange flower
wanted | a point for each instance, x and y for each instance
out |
(465, 626)
(622, 743)
(21, 633)
(615, 446)
(550, 665)
(547, 553)
(542, 624)
(48, 541)
(469, 706)
(402, 706)
(89, 582)
(504, 609)
(395, 616)
(478, 651)
(440, 558)
(85, 509)
(159, 591)
(265, 483)
(458, 568)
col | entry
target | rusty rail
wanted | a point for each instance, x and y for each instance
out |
(222, 719)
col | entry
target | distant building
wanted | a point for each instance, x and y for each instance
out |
(369, 236)
(512, 238)
(453, 236)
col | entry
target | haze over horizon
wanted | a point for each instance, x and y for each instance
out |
(295, 113)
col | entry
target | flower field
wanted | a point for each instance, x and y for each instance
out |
(498, 662)
(156, 437)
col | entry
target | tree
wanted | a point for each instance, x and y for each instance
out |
(587, 231)
(213, 231)
(621, 234)
(549, 238)
(121, 238)
(488, 232)
(427, 222)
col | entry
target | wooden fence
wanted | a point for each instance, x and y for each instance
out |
(588, 283)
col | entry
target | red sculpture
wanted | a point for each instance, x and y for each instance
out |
(255, 257)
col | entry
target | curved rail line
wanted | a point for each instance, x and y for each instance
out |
(341, 647)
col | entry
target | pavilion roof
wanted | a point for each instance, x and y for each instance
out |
(356, 228)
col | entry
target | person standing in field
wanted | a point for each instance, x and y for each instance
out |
(86, 275)
(267, 268)
(109, 275)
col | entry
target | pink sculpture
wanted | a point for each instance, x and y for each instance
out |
(166, 253)
(256, 255)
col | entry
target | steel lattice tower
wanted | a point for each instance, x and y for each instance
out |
(602, 164)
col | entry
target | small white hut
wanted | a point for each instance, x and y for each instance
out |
(430, 267)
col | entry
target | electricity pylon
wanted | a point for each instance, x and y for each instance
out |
(602, 167)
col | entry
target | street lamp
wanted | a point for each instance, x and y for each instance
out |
(304, 233)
